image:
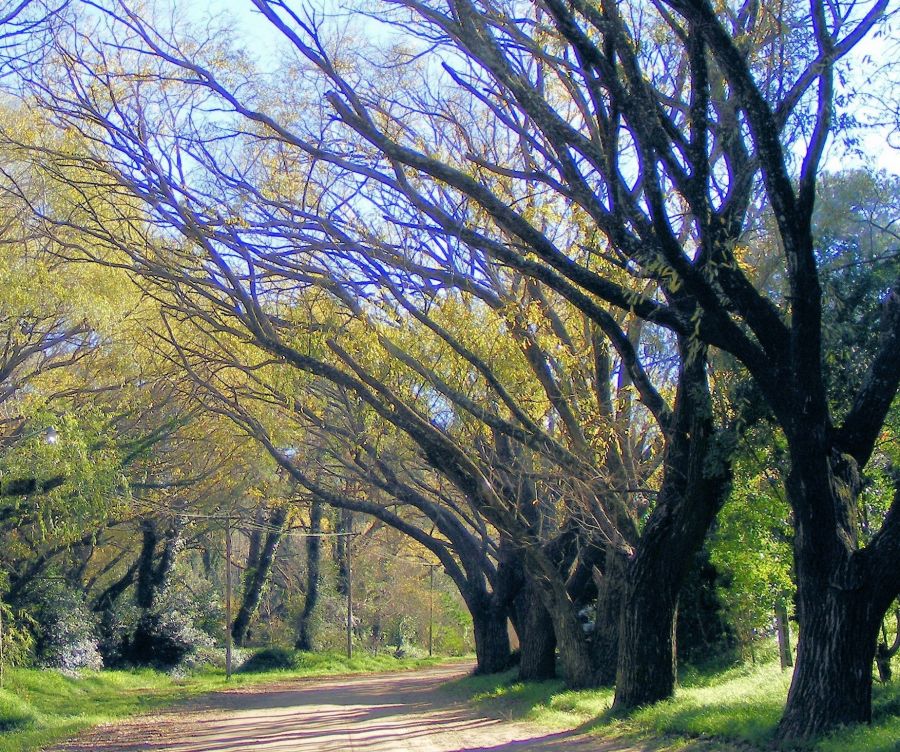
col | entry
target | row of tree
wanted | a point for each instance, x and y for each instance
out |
(536, 284)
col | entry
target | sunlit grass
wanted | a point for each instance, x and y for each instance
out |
(745, 706)
(319, 664)
(733, 709)
(37, 707)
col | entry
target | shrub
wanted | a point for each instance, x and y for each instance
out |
(164, 639)
(66, 630)
(175, 628)
(114, 630)
(270, 659)
(203, 658)
(194, 595)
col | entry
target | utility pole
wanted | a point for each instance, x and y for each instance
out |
(430, 609)
(2, 656)
(228, 598)
(350, 594)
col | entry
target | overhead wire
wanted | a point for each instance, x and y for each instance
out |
(244, 523)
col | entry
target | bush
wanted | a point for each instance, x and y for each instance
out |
(270, 659)
(164, 639)
(204, 658)
(66, 630)
(194, 595)
(184, 617)
(179, 624)
(114, 630)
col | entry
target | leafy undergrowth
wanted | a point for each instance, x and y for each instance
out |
(40, 706)
(736, 709)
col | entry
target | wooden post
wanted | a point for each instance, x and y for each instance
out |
(349, 595)
(228, 598)
(783, 628)
(430, 610)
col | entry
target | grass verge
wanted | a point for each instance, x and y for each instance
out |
(736, 709)
(39, 707)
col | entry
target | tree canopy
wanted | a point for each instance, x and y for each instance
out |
(551, 288)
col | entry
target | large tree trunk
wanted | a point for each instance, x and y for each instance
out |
(607, 615)
(490, 610)
(491, 636)
(537, 642)
(147, 643)
(646, 670)
(153, 575)
(255, 538)
(832, 683)
(260, 560)
(172, 545)
(313, 557)
(575, 659)
(696, 476)
(144, 590)
(543, 572)
(840, 605)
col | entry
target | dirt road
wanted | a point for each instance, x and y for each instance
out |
(399, 712)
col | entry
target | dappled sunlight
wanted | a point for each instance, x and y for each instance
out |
(385, 713)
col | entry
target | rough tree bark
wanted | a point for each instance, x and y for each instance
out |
(537, 642)
(145, 645)
(607, 614)
(491, 636)
(260, 559)
(696, 477)
(144, 590)
(305, 640)
(152, 573)
(840, 607)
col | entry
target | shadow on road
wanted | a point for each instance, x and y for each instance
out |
(383, 713)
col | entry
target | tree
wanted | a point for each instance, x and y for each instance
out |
(695, 144)
(313, 554)
(696, 471)
(260, 558)
(654, 137)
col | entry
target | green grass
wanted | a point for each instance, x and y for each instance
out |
(39, 707)
(727, 710)
(321, 664)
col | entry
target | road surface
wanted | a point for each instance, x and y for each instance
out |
(396, 712)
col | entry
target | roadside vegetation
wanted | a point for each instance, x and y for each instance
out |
(733, 708)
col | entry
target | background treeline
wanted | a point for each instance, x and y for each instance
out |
(556, 296)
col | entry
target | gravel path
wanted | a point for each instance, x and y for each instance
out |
(396, 712)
